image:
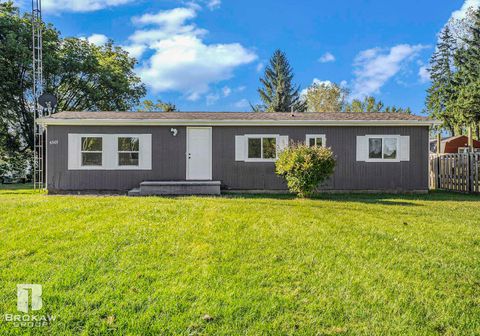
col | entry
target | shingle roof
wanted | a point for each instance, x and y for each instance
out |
(240, 116)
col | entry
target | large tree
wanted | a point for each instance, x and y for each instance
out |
(370, 104)
(149, 106)
(278, 93)
(326, 97)
(82, 76)
(467, 78)
(442, 92)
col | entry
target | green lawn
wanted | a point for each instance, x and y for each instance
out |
(256, 265)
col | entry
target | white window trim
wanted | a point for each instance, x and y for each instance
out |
(261, 136)
(383, 136)
(110, 157)
(315, 136)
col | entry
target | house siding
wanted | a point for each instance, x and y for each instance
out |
(169, 160)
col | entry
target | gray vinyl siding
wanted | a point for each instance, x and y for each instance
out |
(169, 162)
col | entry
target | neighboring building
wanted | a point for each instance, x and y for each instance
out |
(451, 145)
(117, 151)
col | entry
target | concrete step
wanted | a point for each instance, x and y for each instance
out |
(148, 188)
(134, 192)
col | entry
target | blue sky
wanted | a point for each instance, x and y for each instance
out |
(208, 54)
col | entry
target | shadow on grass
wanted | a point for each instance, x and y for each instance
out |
(383, 199)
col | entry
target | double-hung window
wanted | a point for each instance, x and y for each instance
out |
(383, 148)
(262, 148)
(316, 140)
(128, 151)
(109, 151)
(91, 151)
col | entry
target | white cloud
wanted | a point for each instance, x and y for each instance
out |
(214, 4)
(97, 39)
(226, 91)
(260, 67)
(181, 60)
(241, 104)
(135, 50)
(327, 57)
(315, 81)
(80, 5)
(424, 74)
(374, 67)
(212, 98)
(460, 14)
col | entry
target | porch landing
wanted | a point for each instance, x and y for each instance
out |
(152, 188)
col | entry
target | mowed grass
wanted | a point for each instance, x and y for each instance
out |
(252, 265)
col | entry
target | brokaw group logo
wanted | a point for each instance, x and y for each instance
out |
(29, 297)
(22, 297)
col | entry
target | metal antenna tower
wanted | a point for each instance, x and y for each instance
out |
(37, 91)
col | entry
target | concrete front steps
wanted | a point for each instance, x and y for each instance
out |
(171, 188)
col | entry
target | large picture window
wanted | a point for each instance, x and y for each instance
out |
(262, 147)
(128, 151)
(383, 148)
(92, 151)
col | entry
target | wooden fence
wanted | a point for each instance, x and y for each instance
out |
(455, 172)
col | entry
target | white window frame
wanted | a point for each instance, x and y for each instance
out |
(128, 152)
(316, 136)
(261, 136)
(110, 157)
(96, 152)
(383, 137)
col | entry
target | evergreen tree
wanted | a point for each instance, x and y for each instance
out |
(442, 92)
(467, 60)
(278, 93)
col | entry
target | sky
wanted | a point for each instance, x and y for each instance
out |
(208, 55)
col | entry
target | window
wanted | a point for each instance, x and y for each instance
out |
(128, 151)
(91, 151)
(262, 147)
(313, 140)
(382, 148)
(109, 151)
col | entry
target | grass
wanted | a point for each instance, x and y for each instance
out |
(256, 265)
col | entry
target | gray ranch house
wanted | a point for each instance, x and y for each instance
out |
(201, 152)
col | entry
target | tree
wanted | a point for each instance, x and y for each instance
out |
(278, 93)
(81, 75)
(326, 97)
(370, 104)
(441, 94)
(467, 78)
(150, 106)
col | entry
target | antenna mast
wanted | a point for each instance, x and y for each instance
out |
(37, 91)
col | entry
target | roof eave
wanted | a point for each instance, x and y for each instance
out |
(205, 122)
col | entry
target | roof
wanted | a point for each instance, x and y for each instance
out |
(232, 118)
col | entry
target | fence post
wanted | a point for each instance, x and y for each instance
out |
(438, 179)
(470, 172)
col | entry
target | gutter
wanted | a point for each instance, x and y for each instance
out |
(205, 122)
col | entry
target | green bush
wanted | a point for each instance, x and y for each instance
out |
(304, 167)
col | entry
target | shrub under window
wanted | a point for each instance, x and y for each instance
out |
(305, 167)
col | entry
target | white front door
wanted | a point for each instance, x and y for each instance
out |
(199, 153)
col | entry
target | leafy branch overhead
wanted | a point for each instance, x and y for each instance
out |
(83, 76)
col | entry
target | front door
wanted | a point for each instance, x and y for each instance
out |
(199, 153)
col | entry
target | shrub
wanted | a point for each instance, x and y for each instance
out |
(304, 167)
